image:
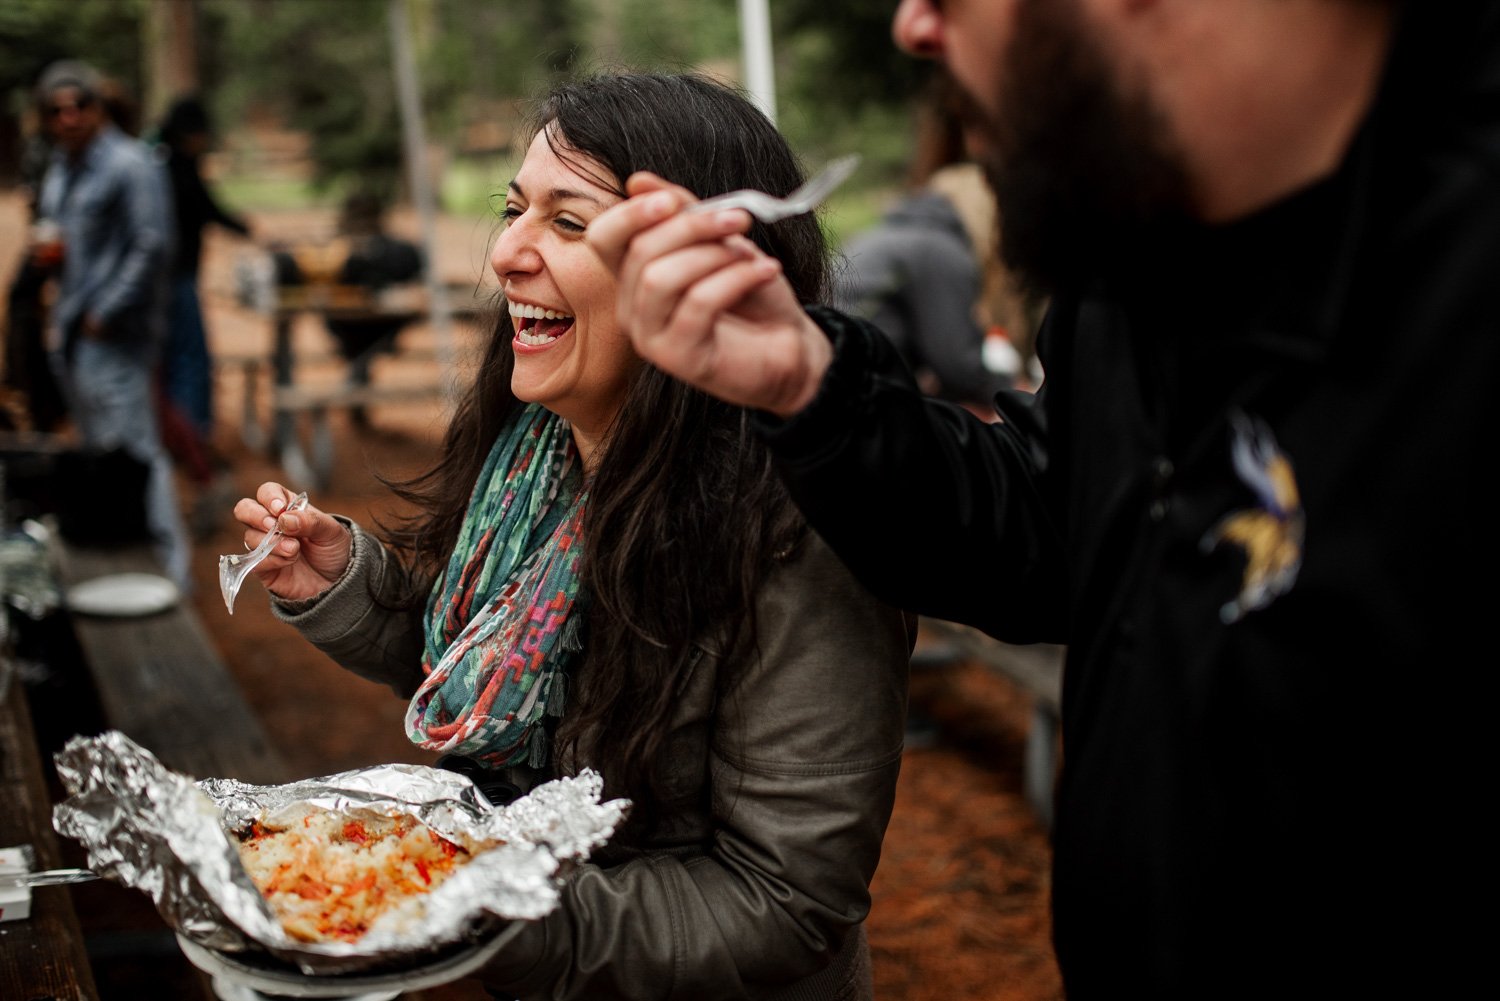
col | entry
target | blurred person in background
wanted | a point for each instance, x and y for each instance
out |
(606, 572)
(374, 260)
(186, 135)
(364, 258)
(27, 370)
(1252, 496)
(928, 275)
(108, 199)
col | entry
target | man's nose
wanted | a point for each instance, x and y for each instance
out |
(918, 28)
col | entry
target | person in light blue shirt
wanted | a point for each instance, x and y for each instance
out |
(109, 197)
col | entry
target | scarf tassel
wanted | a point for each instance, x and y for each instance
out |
(571, 639)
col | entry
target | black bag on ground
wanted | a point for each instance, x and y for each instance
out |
(101, 497)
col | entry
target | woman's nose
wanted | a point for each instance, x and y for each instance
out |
(918, 28)
(514, 252)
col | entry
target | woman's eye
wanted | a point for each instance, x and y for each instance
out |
(569, 225)
(511, 213)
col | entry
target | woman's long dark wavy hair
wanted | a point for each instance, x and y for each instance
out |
(685, 515)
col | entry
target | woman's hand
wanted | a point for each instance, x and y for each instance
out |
(704, 304)
(313, 552)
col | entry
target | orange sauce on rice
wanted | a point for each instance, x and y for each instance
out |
(329, 877)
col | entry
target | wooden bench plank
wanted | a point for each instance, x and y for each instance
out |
(1036, 667)
(161, 681)
(316, 402)
(41, 956)
(295, 398)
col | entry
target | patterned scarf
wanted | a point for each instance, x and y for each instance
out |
(499, 633)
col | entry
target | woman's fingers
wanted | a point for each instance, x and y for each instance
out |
(274, 497)
(254, 514)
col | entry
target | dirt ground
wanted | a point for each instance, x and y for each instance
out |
(960, 898)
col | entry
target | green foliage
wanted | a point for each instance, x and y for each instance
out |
(854, 64)
(325, 67)
(34, 33)
(676, 34)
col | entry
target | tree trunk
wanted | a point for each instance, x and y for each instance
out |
(171, 54)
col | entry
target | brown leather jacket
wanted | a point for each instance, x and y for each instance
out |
(778, 779)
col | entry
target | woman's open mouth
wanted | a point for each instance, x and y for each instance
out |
(537, 327)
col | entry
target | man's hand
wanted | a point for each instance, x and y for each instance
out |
(704, 304)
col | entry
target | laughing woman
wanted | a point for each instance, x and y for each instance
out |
(702, 649)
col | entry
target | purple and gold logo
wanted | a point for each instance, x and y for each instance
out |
(1271, 533)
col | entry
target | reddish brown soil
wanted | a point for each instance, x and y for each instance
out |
(960, 899)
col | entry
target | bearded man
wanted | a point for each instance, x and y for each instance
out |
(1248, 495)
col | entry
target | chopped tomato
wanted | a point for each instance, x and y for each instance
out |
(355, 831)
(422, 871)
(311, 889)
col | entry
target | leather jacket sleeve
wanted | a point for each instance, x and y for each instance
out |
(924, 501)
(357, 621)
(804, 749)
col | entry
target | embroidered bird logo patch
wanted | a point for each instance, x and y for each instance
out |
(1270, 534)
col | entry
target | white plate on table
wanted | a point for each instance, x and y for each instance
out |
(123, 595)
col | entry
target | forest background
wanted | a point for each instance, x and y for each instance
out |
(322, 70)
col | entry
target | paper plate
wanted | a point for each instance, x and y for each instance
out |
(123, 594)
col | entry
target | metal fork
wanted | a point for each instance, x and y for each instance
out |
(235, 567)
(47, 877)
(769, 208)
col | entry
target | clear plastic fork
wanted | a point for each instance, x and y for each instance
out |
(235, 567)
(770, 208)
(47, 877)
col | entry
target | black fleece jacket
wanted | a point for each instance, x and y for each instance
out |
(1254, 498)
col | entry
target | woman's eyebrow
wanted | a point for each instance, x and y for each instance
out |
(562, 194)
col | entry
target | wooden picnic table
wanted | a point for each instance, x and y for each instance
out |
(162, 682)
(43, 955)
(396, 306)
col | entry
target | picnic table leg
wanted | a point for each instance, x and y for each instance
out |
(322, 448)
(251, 433)
(283, 431)
(1040, 766)
(293, 459)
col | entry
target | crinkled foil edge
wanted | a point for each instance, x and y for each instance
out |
(158, 831)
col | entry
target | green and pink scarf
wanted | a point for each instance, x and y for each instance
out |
(499, 632)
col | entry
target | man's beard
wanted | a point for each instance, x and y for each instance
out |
(1084, 175)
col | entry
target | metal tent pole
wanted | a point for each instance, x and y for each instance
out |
(415, 140)
(755, 50)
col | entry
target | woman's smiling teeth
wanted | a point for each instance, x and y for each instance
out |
(539, 326)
